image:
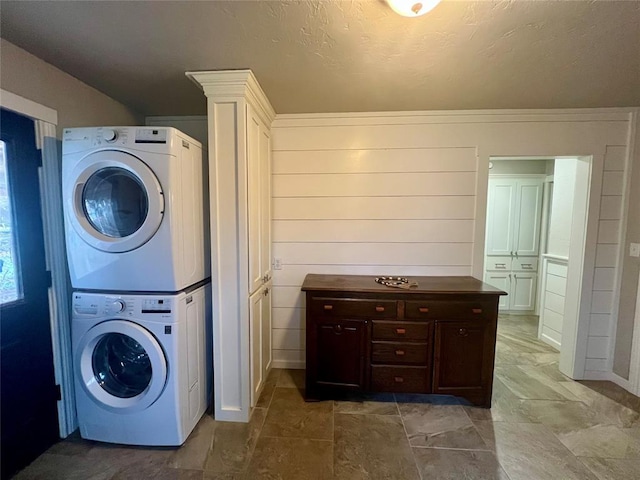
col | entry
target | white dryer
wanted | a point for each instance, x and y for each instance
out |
(135, 209)
(142, 365)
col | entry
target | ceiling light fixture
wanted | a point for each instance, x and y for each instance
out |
(412, 8)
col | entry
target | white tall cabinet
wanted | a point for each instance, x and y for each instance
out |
(239, 118)
(514, 208)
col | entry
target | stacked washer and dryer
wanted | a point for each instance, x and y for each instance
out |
(136, 226)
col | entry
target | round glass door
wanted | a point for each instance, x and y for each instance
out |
(113, 201)
(121, 366)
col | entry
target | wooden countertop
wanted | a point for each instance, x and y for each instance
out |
(426, 285)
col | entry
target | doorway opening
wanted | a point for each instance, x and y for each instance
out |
(535, 243)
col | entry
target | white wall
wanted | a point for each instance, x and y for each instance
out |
(402, 193)
(564, 178)
(77, 103)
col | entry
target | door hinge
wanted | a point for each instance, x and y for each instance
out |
(49, 278)
(58, 393)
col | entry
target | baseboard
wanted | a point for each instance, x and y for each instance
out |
(291, 364)
(550, 341)
(596, 375)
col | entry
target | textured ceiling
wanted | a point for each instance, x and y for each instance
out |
(343, 56)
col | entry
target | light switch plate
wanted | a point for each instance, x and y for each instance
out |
(634, 250)
(277, 264)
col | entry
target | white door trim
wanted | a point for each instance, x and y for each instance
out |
(24, 106)
(46, 120)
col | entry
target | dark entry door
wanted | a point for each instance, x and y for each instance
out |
(27, 390)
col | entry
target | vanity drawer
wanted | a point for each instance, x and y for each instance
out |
(401, 379)
(393, 330)
(442, 310)
(353, 308)
(400, 353)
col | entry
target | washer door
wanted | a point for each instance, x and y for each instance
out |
(121, 366)
(117, 201)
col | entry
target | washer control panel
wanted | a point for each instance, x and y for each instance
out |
(96, 305)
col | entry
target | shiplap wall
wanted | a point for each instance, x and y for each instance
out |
(554, 289)
(405, 194)
(390, 211)
(607, 256)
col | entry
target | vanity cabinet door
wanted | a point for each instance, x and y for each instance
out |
(463, 359)
(337, 353)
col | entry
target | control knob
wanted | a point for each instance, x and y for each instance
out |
(118, 306)
(109, 135)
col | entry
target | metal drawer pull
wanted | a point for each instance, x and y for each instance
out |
(400, 331)
(463, 332)
(476, 310)
(501, 265)
(379, 309)
(328, 307)
(423, 310)
(400, 353)
(338, 328)
(526, 265)
(398, 379)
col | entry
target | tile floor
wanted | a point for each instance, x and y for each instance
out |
(542, 426)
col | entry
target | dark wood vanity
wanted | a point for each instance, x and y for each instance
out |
(438, 337)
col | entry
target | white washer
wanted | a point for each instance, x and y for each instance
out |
(136, 216)
(142, 365)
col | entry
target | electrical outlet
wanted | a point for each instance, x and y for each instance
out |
(634, 250)
(277, 264)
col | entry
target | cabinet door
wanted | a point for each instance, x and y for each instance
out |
(501, 280)
(265, 212)
(336, 354)
(527, 217)
(254, 187)
(463, 358)
(523, 292)
(500, 209)
(266, 331)
(256, 343)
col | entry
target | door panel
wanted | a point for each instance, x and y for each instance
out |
(523, 294)
(255, 341)
(500, 206)
(28, 396)
(528, 213)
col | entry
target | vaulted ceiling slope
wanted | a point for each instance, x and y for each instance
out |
(343, 56)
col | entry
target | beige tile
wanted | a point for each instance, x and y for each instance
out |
(193, 454)
(443, 425)
(372, 404)
(445, 464)
(532, 387)
(290, 416)
(613, 469)
(372, 447)
(72, 447)
(602, 441)
(529, 451)
(269, 387)
(63, 467)
(155, 472)
(606, 411)
(233, 444)
(291, 458)
(505, 407)
(291, 379)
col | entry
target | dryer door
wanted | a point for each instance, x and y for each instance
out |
(121, 366)
(116, 203)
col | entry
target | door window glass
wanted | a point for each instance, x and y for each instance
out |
(115, 202)
(121, 365)
(10, 286)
